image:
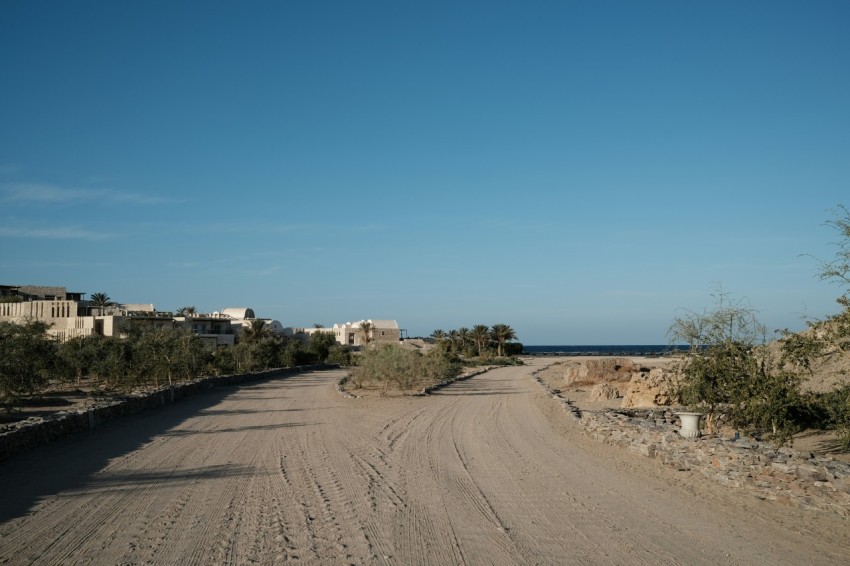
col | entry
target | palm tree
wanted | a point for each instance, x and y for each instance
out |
(480, 334)
(502, 333)
(463, 336)
(366, 329)
(256, 330)
(454, 338)
(187, 311)
(439, 335)
(101, 301)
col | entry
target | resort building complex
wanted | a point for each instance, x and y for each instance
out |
(69, 316)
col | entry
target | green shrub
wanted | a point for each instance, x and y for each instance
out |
(340, 355)
(321, 344)
(833, 413)
(731, 376)
(397, 368)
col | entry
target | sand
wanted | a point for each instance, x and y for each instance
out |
(487, 471)
(824, 442)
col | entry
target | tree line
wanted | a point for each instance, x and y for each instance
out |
(391, 366)
(152, 355)
(481, 340)
(145, 356)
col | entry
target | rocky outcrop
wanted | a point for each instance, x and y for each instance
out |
(603, 392)
(653, 388)
(621, 377)
(591, 372)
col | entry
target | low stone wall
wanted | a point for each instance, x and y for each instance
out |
(780, 474)
(38, 431)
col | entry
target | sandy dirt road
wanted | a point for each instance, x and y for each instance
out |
(487, 471)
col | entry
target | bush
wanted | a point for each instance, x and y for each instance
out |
(340, 355)
(294, 354)
(392, 366)
(321, 344)
(730, 375)
(833, 410)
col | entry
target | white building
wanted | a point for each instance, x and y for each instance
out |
(242, 317)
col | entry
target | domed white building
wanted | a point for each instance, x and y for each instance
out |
(242, 317)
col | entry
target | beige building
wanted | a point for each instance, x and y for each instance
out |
(351, 333)
(215, 331)
(62, 316)
(70, 316)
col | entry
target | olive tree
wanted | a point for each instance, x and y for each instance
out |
(78, 356)
(27, 356)
(114, 364)
(163, 355)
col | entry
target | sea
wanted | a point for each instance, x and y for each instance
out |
(604, 350)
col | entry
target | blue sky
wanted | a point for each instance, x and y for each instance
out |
(580, 170)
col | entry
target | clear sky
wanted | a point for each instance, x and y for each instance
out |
(580, 170)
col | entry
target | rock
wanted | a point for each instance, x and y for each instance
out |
(813, 473)
(650, 389)
(599, 371)
(603, 392)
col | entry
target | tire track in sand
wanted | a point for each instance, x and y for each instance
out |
(483, 472)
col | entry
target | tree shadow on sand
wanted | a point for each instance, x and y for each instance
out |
(72, 464)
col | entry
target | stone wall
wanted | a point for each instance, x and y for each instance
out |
(780, 474)
(38, 431)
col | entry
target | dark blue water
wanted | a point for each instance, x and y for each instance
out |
(609, 350)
